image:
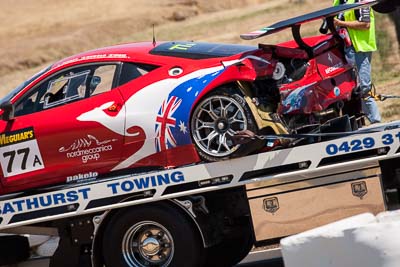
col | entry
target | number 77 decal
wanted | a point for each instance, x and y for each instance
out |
(11, 154)
(21, 158)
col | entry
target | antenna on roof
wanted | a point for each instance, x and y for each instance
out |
(154, 37)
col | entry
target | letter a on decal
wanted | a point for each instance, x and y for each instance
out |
(37, 161)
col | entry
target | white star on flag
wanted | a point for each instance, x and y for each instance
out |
(182, 127)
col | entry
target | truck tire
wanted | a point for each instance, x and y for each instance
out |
(151, 235)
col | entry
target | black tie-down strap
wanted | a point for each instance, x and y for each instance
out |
(243, 137)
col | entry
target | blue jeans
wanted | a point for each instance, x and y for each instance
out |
(362, 61)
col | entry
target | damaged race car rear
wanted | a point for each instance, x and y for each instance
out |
(302, 86)
(308, 86)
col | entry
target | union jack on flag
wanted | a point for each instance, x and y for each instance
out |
(164, 122)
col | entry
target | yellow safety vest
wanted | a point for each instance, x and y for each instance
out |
(363, 40)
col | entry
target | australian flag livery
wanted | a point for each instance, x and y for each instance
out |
(172, 125)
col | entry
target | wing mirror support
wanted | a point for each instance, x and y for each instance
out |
(8, 111)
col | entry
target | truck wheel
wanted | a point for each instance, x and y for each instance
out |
(151, 235)
(216, 119)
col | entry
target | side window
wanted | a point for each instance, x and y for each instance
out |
(131, 71)
(68, 86)
(27, 106)
(65, 89)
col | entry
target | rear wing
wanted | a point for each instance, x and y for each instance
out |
(295, 23)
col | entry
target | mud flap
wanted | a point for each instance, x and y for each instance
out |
(13, 249)
(74, 248)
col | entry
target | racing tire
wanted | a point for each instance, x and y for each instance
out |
(215, 120)
(151, 235)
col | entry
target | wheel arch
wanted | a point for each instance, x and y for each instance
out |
(236, 84)
(244, 86)
(231, 74)
(221, 83)
(240, 94)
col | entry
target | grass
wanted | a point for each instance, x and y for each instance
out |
(386, 67)
(385, 60)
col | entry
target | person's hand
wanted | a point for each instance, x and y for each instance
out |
(337, 22)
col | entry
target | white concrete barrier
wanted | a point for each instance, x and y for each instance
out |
(363, 240)
(392, 216)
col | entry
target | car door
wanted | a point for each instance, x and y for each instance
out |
(50, 141)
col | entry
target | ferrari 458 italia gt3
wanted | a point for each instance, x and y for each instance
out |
(138, 106)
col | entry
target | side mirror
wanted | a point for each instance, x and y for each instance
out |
(8, 111)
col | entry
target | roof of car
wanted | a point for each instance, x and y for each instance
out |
(144, 51)
(122, 51)
(197, 50)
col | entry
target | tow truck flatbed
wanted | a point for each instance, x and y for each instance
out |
(363, 149)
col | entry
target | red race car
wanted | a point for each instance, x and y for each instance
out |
(141, 106)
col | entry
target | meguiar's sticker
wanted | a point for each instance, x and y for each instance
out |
(19, 152)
